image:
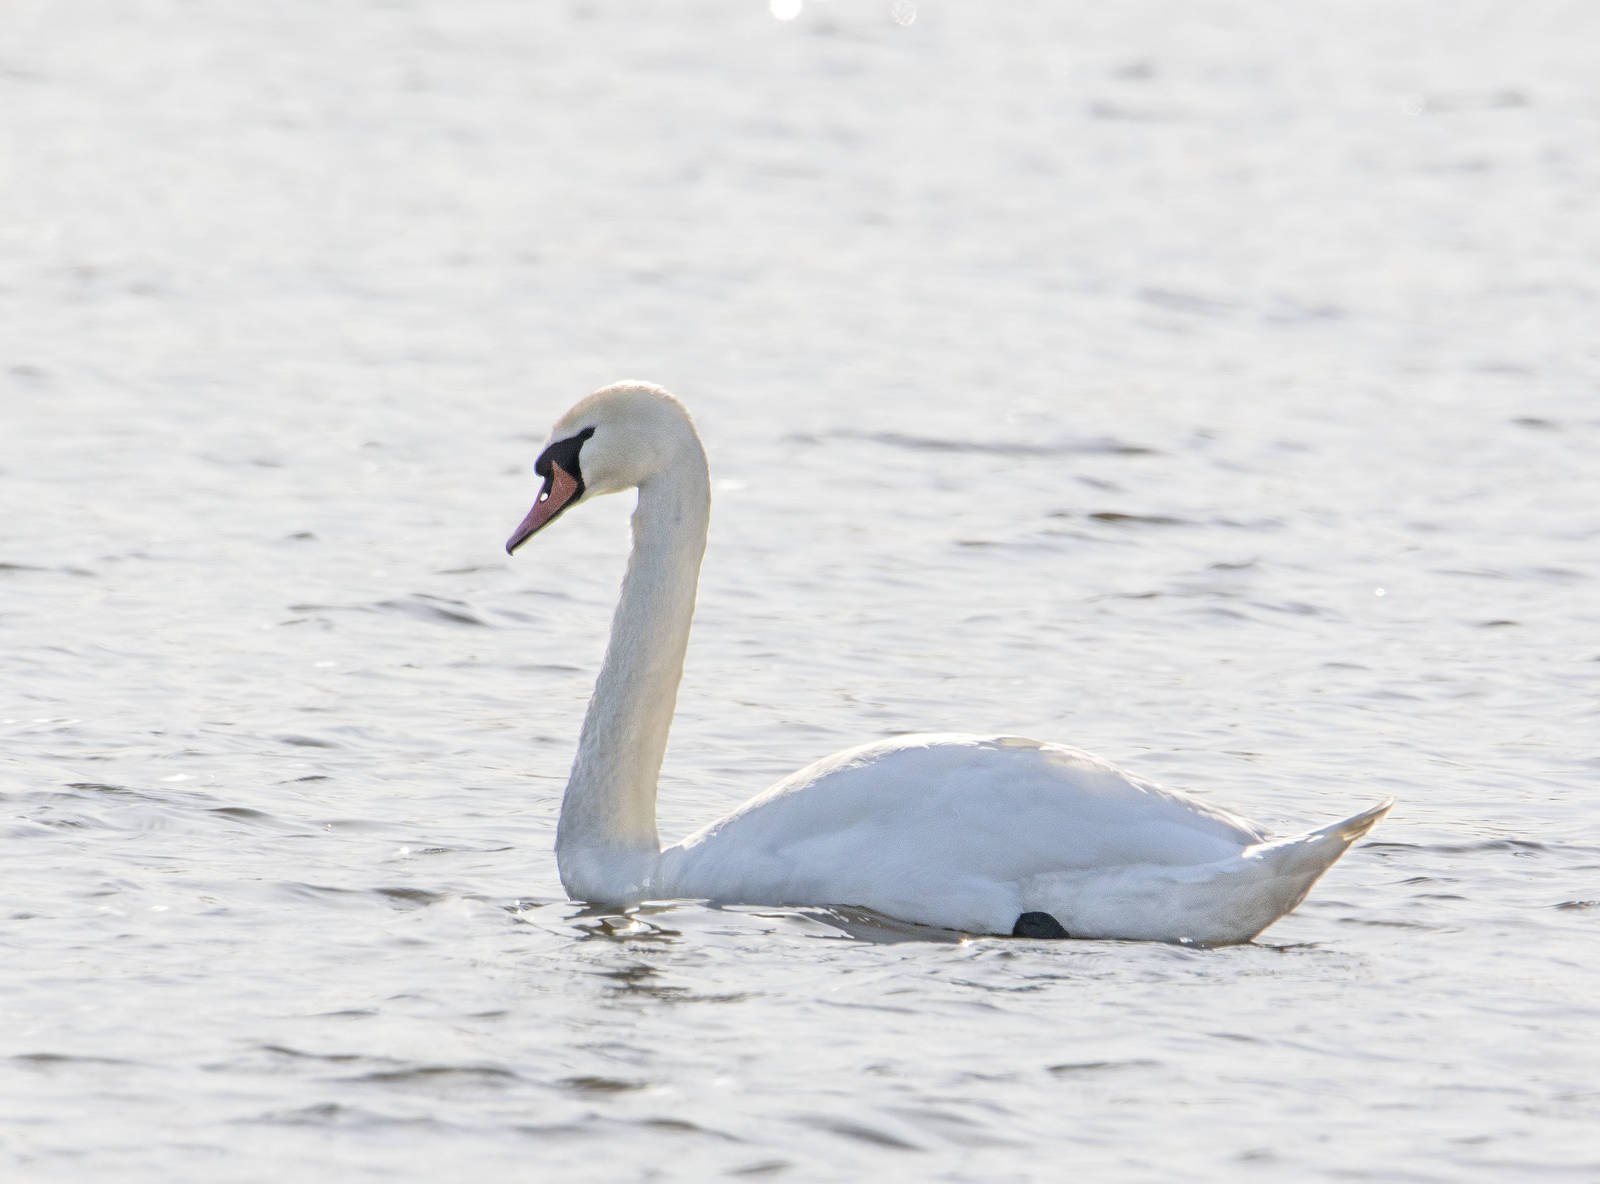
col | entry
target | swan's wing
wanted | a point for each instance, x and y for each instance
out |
(932, 814)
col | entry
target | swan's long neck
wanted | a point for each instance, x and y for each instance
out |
(606, 842)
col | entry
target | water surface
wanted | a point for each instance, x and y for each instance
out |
(1208, 386)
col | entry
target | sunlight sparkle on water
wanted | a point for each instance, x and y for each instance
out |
(902, 12)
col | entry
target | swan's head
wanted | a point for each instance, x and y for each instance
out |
(618, 438)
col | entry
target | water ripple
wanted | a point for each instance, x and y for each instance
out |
(1103, 446)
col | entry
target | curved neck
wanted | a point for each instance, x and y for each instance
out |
(606, 841)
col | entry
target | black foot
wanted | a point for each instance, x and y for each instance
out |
(1038, 925)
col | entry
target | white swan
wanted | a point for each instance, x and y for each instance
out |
(986, 834)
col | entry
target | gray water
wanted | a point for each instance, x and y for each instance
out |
(1211, 385)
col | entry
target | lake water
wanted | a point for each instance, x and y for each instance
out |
(1214, 386)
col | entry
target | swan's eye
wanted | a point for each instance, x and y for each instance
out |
(542, 468)
(563, 453)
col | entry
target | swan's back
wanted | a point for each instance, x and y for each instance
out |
(956, 822)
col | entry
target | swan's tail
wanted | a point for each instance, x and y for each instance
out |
(1287, 868)
(1213, 904)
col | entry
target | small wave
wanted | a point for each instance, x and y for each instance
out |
(19, 569)
(1072, 1068)
(1556, 575)
(1123, 518)
(545, 668)
(299, 741)
(684, 1126)
(400, 897)
(1294, 608)
(423, 607)
(419, 606)
(1036, 544)
(321, 893)
(1515, 846)
(1135, 520)
(605, 1131)
(859, 1131)
(51, 1060)
(495, 1076)
(252, 816)
(337, 1114)
(954, 1127)
(761, 1167)
(587, 1084)
(1103, 446)
(412, 898)
(297, 1054)
(1194, 303)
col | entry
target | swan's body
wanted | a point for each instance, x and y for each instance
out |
(986, 834)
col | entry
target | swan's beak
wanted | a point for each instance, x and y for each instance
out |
(560, 488)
